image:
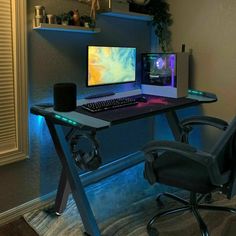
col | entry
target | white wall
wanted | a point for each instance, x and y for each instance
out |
(208, 27)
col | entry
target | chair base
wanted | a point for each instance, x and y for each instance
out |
(193, 205)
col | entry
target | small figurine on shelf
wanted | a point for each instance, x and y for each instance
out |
(85, 21)
(66, 18)
(51, 19)
(76, 17)
(70, 15)
(94, 7)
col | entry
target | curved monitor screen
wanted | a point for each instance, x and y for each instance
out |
(111, 65)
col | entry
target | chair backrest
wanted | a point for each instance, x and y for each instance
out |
(225, 153)
(223, 141)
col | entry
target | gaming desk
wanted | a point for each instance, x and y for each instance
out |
(84, 121)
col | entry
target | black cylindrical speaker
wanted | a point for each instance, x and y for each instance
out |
(64, 95)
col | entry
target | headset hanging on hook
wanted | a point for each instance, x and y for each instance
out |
(85, 160)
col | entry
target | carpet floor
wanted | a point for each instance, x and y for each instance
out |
(123, 204)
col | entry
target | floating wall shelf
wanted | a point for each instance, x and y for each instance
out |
(128, 15)
(66, 28)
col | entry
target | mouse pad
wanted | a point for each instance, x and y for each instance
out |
(153, 105)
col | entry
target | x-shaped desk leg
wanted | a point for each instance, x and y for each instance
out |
(63, 192)
(70, 174)
(70, 180)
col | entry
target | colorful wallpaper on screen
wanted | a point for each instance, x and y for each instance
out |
(111, 65)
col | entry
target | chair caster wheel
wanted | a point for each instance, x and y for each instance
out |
(209, 199)
(153, 232)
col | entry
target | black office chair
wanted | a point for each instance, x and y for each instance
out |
(181, 165)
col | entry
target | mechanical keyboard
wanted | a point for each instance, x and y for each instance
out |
(109, 104)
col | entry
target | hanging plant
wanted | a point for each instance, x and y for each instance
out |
(162, 18)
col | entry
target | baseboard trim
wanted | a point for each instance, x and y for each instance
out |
(86, 178)
(20, 210)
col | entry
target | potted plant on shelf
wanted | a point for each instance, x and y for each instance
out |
(162, 18)
(66, 18)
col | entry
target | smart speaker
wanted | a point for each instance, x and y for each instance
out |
(64, 95)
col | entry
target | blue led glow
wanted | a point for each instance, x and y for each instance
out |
(119, 191)
(39, 120)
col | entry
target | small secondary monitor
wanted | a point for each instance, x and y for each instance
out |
(111, 65)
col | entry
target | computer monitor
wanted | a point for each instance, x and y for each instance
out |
(110, 65)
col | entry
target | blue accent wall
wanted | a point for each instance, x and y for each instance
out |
(55, 57)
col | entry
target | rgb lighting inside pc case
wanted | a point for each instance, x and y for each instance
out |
(159, 69)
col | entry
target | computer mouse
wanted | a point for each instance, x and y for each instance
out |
(141, 99)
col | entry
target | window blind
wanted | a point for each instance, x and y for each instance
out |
(7, 89)
(13, 102)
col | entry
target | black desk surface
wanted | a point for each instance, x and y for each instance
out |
(154, 105)
(101, 120)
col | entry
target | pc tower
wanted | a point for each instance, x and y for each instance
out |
(165, 74)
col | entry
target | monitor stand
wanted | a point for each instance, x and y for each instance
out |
(99, 95)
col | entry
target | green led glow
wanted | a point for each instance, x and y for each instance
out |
(65, 119)
(195, 92)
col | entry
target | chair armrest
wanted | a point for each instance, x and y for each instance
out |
(183, 149)
(168, 146)
(205, 120)
(189, 152)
